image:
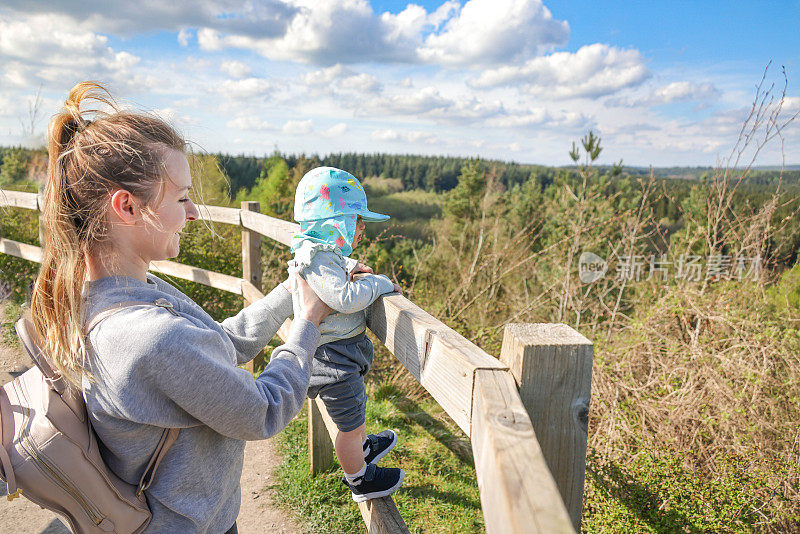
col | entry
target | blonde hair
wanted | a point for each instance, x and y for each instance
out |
(92, 153)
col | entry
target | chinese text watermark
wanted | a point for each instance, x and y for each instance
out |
(686, 267)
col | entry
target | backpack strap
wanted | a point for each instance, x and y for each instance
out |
(6, 435)
(30, 340)
(33, 346)
(167, 439)
(114, 308)
(169, 435)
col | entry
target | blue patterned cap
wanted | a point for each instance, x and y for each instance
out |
(327, 192)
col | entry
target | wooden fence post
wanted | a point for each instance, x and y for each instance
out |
(320, 447)
(552, 365)
(39, 204)
(251, 267)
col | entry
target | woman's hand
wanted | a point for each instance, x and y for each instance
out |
(312, 307)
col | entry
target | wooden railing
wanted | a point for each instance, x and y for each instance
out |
(526, 413)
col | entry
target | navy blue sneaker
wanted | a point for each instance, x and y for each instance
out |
(375, 482)
(378, 445)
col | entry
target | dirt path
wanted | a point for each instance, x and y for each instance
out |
(258, 514)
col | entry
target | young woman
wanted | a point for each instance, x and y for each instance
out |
(117, 199)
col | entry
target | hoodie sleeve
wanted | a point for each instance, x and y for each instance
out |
(175, 373)
(331, 282)
(252, 328)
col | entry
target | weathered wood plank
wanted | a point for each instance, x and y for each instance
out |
(441, 359)
(251, 269)
(277, 229)
(552, 365)
(39, 202)
(320, 445)
(251, 249)
(328, 424)
(381, 516)
(220, 214)
(225, 282)
(250, 292)
(518, 494)
(18, 199)
(21, 250)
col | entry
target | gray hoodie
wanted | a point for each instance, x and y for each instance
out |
(154, 369)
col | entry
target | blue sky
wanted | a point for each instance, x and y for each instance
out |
(665, 83)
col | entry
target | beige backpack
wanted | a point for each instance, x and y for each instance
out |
(49, 451)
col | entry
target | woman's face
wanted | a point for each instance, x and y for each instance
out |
(162, 231)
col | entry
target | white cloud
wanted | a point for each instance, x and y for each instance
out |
(236, 69)
(683, 91)
(245, 89)
(249, 122)
(366, 83)
(791, 104)
(339, 77)
(298, 127)
(6, 107)
(482, 32)
(323, 33)
(385, 135)
(490, 31)
(592, 71)
(337, 130)
(468, 108)
(416, 103)
(183, 37)
(48, 47)
(414, 136)
(265, 17)
(541, 117)
(327, 75)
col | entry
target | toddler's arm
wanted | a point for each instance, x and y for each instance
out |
(333, 285)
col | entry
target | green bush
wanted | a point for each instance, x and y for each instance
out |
(17, 275)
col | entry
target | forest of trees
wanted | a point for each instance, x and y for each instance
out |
(694, 418)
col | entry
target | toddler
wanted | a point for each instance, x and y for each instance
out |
(331, 207)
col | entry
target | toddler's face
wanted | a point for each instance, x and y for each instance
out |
(359, 231)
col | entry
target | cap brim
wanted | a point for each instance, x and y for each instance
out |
(371, 216)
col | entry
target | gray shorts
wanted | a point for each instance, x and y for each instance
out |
(337, 377)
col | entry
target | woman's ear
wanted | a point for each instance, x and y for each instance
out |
(123, 204)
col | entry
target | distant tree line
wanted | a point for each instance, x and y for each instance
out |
(430, 173)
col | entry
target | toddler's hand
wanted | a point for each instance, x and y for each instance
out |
(398, 289)
(361, 268)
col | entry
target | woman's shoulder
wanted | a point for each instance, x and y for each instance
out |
(134, 315)
(137, 327)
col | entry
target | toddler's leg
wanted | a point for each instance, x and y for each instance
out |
(349, 448)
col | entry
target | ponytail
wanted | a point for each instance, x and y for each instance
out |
(92, 153)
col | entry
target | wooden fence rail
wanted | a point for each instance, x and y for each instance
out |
(526, 414)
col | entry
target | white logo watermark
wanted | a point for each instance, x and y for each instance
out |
(688, 267)
(591, 267)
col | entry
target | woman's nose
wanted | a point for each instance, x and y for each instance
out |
(191, 211)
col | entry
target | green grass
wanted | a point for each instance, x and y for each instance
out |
(11, 310)
(410, 211)
(653, 492)
(439, 494)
